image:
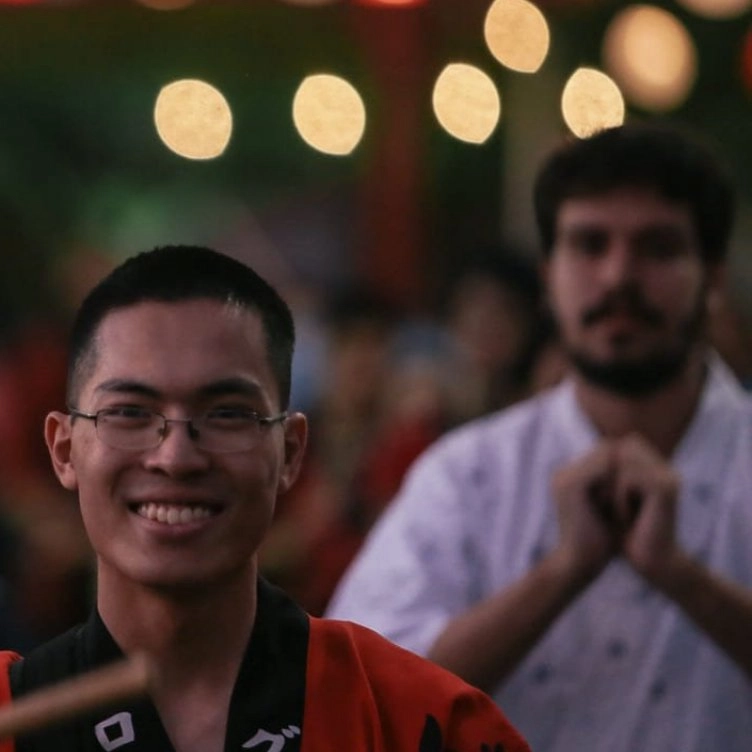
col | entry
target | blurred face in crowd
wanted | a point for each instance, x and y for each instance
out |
(491, 321)
(628, 288)
(177, 514)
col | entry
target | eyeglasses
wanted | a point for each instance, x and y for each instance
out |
(220, 429)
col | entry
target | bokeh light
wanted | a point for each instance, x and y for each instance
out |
(329, 114)
(590, 102)
(717, 8)
(193, 119)
(651, 56)
(466, 102)
(517, 34)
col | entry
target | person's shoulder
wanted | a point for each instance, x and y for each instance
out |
(411, 696)
(381, 659)
(510, 424)
(7, 659)
(725, 399)
(47, 663)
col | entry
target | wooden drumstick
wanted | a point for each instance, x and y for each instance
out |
(126, 678)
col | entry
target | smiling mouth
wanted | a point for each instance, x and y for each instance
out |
(175, 514)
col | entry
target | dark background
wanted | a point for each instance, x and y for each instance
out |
(81, 166)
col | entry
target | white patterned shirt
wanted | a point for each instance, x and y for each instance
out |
(622, 669)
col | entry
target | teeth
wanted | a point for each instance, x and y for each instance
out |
(173, 514)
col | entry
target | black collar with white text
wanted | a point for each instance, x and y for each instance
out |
(266, 709)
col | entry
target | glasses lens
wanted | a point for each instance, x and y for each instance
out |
(216, 431)
(130, 429)
(227, 430)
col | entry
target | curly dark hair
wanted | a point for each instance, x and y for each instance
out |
(678, 167)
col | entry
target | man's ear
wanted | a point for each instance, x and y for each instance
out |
(57, 434)
(296, 436)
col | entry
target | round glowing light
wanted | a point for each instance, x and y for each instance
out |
(193, 119)
(517, 34)
(329, 114)
(717, 8)
(466, 103)
(652, 57)
(166, 4)
(590, 102)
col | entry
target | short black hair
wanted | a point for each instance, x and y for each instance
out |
(679, 167)
(177, 273)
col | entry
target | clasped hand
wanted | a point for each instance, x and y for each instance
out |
(619, 499)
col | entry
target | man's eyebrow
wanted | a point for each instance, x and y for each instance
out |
(233, 385)
(127, 386)
(583, 229)
(579, 225)
(668, 228)
(595, 225)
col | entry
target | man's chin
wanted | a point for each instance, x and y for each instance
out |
(635, 377)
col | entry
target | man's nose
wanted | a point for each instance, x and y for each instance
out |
(618, 264)
(178, 452)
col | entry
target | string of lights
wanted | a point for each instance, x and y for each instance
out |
(649, 60)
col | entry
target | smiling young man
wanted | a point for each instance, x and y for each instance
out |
(178, 441)
(585, 555)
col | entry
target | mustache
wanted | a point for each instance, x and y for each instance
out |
(627, 300)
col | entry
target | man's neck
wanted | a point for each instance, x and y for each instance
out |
(195, 641)
(181, 629)
(661, 417)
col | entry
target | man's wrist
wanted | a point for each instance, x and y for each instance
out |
(570, 570)
(676, 576)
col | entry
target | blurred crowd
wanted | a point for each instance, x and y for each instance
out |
(378, 387)
(45, 559)
(382, 387)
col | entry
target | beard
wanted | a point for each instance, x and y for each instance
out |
(646, 374)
